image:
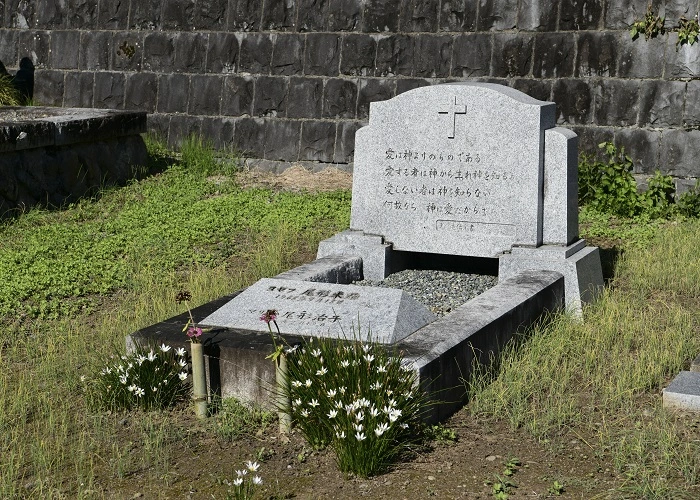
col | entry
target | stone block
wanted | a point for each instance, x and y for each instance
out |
(288, 56)
(112, 15)
(159, 52)
(173, 92)
(497, 15)
(279, 15)
(178, 15)
(464, 175)
(621, 15)
(394, 56)
(406, 84)
(512, 54)
(49, 86)
(210, 15)
(222, 53)
(256, 53)
(305, 97)
(270, 96)
(127, 51)
(560, 194)
(661, 103)
(141, 92)
(81, 14)
(471, 55)
(554, 55)
(597, 54)
(313, 15)
(457, 15)
(145, 15)
(317, 141)
(322, 56)
(345, 141)
(683, 393)
(681, 62)
(51, 14)
(359, 52)
(432, 55)
(680, 151)
(205, 94)
(19, 14)
(36, 46)
(580, 265)
(219, 131)
(380, 16)
(181, 127)
(418, 16)
(78, 89)
(339, 98)
(539, 89)
(159, 125)
(63, 49)
(642, 146)
(579, 15)
(109, 90)
(616, 102)
(374, 252)
(574, 98)
(245, 15)
(373, 90)
(691, 111)
(642, 58)
(95, 50)
(324, 310)
(9, 43)
(590, 136)
(537, 15)
(282, 140)
(333, 269)
(344, 15)
(249, 137)
(190, 52)
(237, 96)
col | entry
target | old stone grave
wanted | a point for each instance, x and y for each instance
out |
(448, 173)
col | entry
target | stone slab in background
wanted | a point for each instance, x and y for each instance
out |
(683, 393)
(324, 310)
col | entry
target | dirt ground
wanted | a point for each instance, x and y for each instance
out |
(297, 178)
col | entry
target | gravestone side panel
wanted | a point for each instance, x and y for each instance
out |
(452, 169)
(560, 212)
(324, 310)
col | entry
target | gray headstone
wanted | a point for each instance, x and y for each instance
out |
(324, 310)
(453, 169)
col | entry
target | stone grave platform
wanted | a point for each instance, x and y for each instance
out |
(51, 156)
(451, 172)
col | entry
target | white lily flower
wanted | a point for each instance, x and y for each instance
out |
(180, 351)
(340, 435)
(297, 402)
(314, 403)
(381, 429)
(241, 473)
(238, 481)
(316, 353)
(332, 413)
(257, 480)
(322, 371)
(307, 383)
(182, 375)
(345, 363)
(151, 356)
(139, 392)
(182, 362)
(331, 393)
(131, 388)
(360, 436)
(165, 348)
(296, 383)
(252, 466)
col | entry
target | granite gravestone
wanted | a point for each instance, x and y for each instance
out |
(325, 310)
(470, 169)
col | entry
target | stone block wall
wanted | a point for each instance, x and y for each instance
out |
(291, 80)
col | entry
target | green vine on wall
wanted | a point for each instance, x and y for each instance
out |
(652, 25)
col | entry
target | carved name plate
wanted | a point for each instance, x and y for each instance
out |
(324, 310)
(452, 169)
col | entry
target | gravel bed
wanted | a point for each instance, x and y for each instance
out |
(439, 291)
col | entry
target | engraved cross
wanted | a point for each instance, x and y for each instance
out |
(455, 109)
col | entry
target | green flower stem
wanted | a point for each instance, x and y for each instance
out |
(199, 382)
(283, 400)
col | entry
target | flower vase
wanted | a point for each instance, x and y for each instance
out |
(199, 381)
(283, 403)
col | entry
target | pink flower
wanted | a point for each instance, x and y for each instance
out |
(194, 332)
(269, 316)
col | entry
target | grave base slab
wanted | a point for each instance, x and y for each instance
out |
(580, 265)
(683, 393)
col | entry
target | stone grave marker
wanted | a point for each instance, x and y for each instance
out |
(469, 169)
(324, 310)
